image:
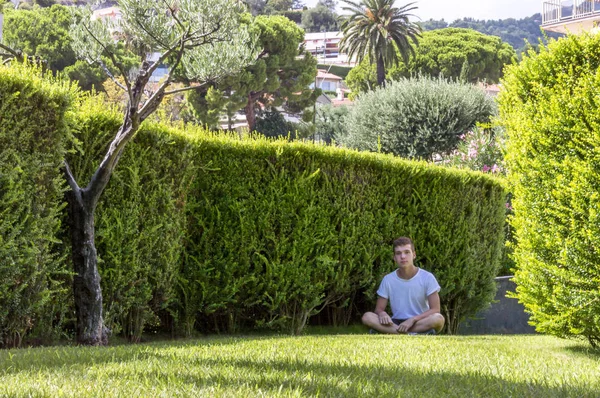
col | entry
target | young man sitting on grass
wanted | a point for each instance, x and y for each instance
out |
(413, 296)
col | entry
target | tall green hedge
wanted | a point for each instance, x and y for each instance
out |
(550, 109)
(206, 232)
(33, 134)
(259, 233)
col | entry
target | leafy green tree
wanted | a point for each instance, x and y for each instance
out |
(375, 29)
(273, 7)
(42, 32)
(432, 24)
(202, 38)
(319, 19)
(453, 53)
(416, 118)
(280, 76)
(329, 4)
(519, 33)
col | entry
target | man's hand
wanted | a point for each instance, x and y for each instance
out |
(384, 318)
(405, 326)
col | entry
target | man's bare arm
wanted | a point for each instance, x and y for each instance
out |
(380, 307)
(434, 308)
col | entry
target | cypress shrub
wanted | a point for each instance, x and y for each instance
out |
(550, 109)
(32, 144)
(288, 228)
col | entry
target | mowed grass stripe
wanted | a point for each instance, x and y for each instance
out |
(336, 365)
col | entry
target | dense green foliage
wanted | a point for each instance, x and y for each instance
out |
(319, 19)
(550, 110)
(43, 32)
(280, 77)
(516, 32)
(454, 53)
(482, 149)
(378, 31)
(273, 124)
(329, 122)
(274, 232)
(337, 364)
(416, 118)
(212, 233)
(33, 134)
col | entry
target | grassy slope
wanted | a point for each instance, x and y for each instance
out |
(341, 365)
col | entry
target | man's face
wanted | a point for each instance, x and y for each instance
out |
(404, 256)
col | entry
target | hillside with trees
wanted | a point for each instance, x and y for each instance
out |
(516, 32)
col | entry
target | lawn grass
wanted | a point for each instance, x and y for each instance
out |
(351, 365)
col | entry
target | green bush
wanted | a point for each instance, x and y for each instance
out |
(550, 109)
(329, 122)
(208, 232)
(269, 233)
(482, 149)
(416, 118)
(32, 144)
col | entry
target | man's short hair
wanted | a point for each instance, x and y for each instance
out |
(403, 241)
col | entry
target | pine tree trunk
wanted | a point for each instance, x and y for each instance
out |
(380, 72)
(86, 281)
(250, 114)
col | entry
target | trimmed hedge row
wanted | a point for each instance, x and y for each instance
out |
(550, 110)
(205, 232)
(32, 137)
(213, 233)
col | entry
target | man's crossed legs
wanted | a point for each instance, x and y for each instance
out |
(433, 321)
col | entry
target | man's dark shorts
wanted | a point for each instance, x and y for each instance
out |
(398, 321)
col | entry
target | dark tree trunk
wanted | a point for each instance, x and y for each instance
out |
(250, 114)
(380, 72)
(86, 282)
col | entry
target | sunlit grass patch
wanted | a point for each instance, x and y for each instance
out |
(335, 365)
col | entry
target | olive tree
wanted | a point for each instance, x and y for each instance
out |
(202, 40)
(416, 118)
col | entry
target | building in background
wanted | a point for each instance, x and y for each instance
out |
(570, 16)
(325, 47)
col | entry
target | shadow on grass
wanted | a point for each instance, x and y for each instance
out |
(318, 379)
(585, 351)
(282, 376)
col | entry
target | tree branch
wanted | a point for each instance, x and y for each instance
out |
(154, 101)
(11, 52)
(104, 171)
(111, 55)
(112, 77)
(173, 15)
(72, 183)
(149, 33)
(179, 90)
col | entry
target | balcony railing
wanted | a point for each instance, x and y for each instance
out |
(564, 10)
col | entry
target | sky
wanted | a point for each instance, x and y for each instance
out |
(451, 10)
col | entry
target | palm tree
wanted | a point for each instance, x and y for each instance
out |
(375, 28)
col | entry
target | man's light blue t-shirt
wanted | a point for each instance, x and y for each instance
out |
(408, 298)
